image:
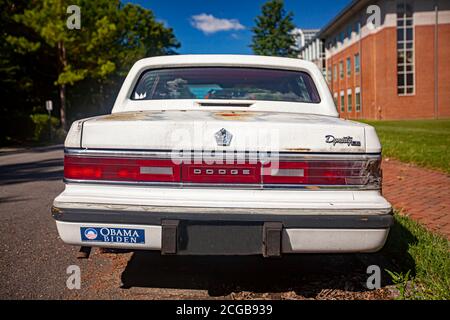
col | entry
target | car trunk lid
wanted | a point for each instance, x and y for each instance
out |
(202, 130)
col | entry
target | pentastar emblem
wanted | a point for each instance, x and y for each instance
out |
(223, 137)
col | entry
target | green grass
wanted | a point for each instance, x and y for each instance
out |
(423, 260)
(423, 142)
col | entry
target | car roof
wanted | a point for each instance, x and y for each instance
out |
(225, 60)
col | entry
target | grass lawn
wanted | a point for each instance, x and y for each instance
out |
(423, 142)
(422, 259)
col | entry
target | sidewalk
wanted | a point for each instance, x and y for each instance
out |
(423, 194)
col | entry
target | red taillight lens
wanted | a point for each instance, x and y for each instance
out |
(113, 169)
(336, 172)
(322, 172)
(300, 173)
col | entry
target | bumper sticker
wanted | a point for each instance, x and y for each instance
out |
(113, 235)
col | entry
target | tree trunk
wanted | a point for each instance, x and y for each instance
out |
(62, 87)
(62, 108)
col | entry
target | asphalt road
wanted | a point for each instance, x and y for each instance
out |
(34, 260)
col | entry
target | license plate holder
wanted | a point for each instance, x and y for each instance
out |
(219, 238)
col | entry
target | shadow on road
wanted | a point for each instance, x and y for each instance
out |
(13, 199)
(305, 274)
(45, 170)
(32, 150)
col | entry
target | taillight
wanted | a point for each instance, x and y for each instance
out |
(114, 169)
(323, 172)
(285, 172)
(310, 172)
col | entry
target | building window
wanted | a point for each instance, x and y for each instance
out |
(342, 101)
(357, 63)
(357, 28)
(349, 32)
(349, 67)
(329, 75)
(334, 72)
(349, 100)
(341, 70)
(405, 48)
(335, 98)
(357, 99)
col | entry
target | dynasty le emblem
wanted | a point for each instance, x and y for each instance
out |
(344, 140)
(223, 137)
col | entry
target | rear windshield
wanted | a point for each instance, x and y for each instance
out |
(226, 83)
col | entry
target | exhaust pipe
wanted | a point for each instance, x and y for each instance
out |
(84, 253)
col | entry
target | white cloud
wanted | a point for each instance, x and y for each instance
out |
(210, 24)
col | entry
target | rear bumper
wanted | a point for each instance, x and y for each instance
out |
(211, 231)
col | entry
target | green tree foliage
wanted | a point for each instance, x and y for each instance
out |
(272, 33)
(112, 37)
(22, 79)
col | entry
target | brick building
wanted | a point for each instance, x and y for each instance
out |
(395, 67)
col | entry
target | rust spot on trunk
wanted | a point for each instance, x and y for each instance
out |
(130, 116)
(298, 149)
(313, 188)
(236, 115)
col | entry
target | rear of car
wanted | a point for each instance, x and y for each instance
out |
(223, 155)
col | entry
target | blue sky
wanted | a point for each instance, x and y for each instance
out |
(213, 26)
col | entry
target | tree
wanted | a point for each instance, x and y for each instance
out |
(111, 38)
(26, 73)
(272, 35)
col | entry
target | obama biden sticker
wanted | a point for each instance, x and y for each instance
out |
(113, 235)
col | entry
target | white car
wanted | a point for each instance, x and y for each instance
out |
(223, 155)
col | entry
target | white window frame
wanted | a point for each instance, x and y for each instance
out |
(404, 19)
(348, 63)
(358, 92)
(349, 100)
(359, 63)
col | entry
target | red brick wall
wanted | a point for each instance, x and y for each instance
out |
(347, 82)
(444, 71)
(379, 76)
